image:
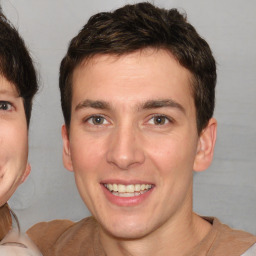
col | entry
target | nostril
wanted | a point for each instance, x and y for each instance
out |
(125, 163)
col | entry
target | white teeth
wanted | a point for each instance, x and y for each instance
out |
(115, 188)
(126, 194)
(110, 187)
(128, 190)
(137, 187)
(121, 188)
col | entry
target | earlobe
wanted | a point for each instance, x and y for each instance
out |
(26, 173)
(206, 144)
(66, 156)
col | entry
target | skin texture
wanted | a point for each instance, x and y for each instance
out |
(13, 140)
(129, 96)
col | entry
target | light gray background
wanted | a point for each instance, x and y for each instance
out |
(227, 189)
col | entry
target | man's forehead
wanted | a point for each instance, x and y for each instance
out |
(94, 79)
(97, 61)
(99, 58)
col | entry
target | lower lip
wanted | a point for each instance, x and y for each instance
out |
(126, 201)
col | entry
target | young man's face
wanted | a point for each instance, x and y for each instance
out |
(13, 140)
(133, 141)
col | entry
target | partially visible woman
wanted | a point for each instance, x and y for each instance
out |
(18, 85)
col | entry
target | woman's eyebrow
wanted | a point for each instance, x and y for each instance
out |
(9, 93)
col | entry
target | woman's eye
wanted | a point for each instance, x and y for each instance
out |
(159, 120)
(5, 105)
(97, 120)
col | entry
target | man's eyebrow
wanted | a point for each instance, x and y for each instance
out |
(162, 103)
(98, 104)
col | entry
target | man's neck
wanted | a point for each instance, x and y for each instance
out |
(177, 237)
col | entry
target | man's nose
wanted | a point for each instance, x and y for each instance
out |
(125, 149)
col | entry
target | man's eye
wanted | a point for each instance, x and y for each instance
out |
(159, 120)
(97, 120)
(5, 105)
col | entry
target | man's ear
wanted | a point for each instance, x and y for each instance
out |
(205, 147)
(26, 173)
(66, 156)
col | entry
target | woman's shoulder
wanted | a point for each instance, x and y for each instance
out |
(5, 220)
(16, 243)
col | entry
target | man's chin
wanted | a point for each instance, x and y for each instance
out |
(125, 231)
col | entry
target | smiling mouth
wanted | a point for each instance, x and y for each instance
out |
(128, 190)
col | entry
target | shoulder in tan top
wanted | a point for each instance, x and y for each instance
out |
(63, 237)
(223, 241)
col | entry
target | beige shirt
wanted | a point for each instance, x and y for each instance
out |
(12, 242)
(63, 237)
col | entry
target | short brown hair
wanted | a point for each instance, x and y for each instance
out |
(16, 64)
(139, 26)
